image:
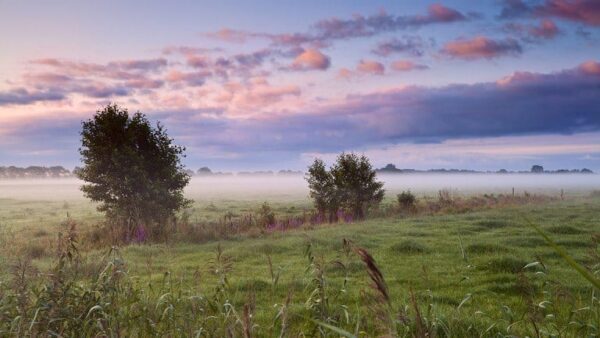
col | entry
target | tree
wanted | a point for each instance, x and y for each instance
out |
(355, 179)
(132, 169)
(204, 171)
(322, 190)
(350, 184)
(537, 169)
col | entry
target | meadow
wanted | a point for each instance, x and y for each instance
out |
(477, 271)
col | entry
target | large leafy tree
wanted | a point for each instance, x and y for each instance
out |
(132, 169)
(350, 184)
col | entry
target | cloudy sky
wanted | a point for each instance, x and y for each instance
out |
(272, 84)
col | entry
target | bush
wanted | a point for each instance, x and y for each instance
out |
(445, 197)
(266, 215)
(406, 200)
(349, 184)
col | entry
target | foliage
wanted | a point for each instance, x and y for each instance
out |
(323, 190)
(110, 301)
(349, 184)
(537, 168)
(406, 200)
(266, 214)
(355, 179)
(132, 169)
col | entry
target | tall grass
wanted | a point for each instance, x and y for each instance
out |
(71, 299)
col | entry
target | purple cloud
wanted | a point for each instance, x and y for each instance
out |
(582, 11)
(406, 66)
(524, 103)
(546, 30)
(521, 104)
(125, 69)
(324, 32)
(411, 45)
(22, 96)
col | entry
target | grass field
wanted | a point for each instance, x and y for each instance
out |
(470, 272)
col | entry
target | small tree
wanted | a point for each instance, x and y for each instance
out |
(204, 171)
(322, 190)
(355, 180)
(406, 200)
(537, 169)
(350, 184)
(132, 169)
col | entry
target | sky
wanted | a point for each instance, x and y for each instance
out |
(269, 85)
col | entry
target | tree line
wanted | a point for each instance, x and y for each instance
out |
(34, 172)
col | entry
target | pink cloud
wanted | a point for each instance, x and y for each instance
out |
(257, 97)
(46, 79)
(230, 35)
(370, 67)
(344, 73)
(198, 61)
(145, 65)
(174, 101)
(481, 47)
(546, 30)
(144, 83)
(266, 95)
(311, 59)
(590, 67)
(189, 79)
(441, 13)
(405, 66)
(522, 78)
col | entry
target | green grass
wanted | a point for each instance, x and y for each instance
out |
(476, 260)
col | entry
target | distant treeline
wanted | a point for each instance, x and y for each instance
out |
(59, 171)
(34, 172)
(536, 169)
(205, 171)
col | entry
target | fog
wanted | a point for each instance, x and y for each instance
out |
(294, 187)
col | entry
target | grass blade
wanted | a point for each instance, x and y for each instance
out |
(335, 329)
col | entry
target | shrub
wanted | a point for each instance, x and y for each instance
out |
(349, 184)
(445, 197)
(406, 200)
(266, 215)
